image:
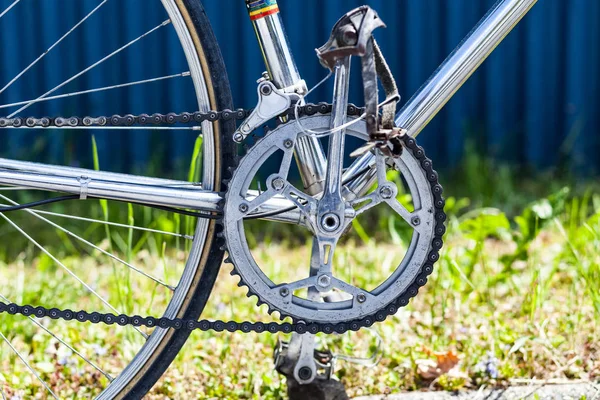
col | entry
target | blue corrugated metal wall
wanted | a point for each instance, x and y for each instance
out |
(535, 101)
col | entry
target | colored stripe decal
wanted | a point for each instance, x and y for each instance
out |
(261, 8)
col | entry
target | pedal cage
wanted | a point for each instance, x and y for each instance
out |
(324, 359)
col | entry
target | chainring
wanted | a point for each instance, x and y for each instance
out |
(385, 300)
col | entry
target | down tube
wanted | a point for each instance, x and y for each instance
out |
(461, 64)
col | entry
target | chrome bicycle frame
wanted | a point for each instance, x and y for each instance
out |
(414, 116)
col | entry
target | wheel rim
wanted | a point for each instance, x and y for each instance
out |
(204, 228)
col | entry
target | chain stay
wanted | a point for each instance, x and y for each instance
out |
(232, 326)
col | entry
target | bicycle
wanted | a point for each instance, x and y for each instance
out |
(225, 201)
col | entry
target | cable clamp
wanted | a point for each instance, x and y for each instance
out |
(84, 181)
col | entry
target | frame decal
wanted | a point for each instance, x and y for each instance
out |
(261, 8)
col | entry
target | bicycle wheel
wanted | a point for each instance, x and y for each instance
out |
(98, 252)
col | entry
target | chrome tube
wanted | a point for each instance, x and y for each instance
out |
(48, 169)
(131, 188)
(283, 71)
(459, 66)
(358, 186)
(276, 51)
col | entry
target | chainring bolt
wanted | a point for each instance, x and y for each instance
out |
(416, 221)
(284, 292)
(361, 297)
(288, 143)
(324, 281)
(386, 192)
(243, 208)
(278, 184)
(238, 137)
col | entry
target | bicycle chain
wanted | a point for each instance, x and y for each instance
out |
(232, 326)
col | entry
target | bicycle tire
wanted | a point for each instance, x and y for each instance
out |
(213, 65)
(203, 262)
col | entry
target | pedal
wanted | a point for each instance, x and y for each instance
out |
(324, 360)
(350, 36)
(271, 103)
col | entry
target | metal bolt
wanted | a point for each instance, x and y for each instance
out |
(386, 192)
(238, 137)
(284, 292)
(305, 373)
(330, 222)
(324, 281)
(361, 297)
(278, 184)
(288, 144)
(243, 207)
(266, 90)
(416, 221)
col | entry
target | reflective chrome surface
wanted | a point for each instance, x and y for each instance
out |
(361, 184)
(276, 51)
(130, 188)
(459, 66)
(284, 73)
(311, 163)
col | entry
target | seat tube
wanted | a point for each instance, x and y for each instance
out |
(284, 74)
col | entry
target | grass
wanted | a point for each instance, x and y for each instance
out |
(515, 296)
(511, 298)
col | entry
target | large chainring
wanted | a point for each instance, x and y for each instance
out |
(357, 307)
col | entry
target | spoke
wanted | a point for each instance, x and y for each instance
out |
(301, 284)
(51, 47)
(99, 221)
(64, 267)
(304, 203)
(8, 9)
(84, 358)
(350, 289)
(28, 365)
(102, 89)
(373, 200)
(400, 210)
(260, 200)
(286, 162)
(165, 23)
(406, 215)
(82, 240)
